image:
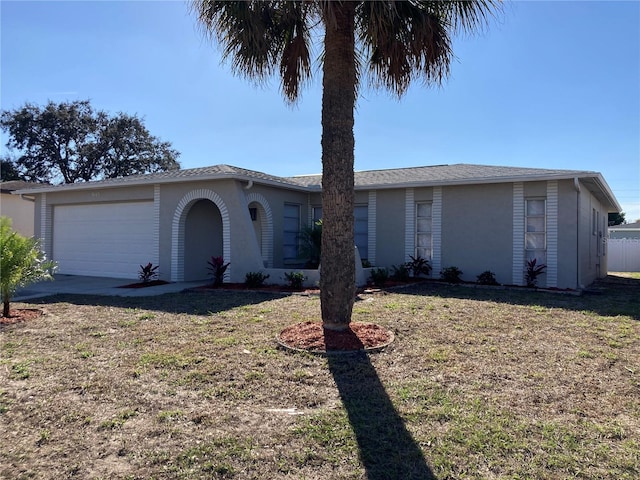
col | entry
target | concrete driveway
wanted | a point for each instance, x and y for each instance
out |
(97, 286)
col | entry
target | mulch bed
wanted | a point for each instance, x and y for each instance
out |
(17, 315)
(313, 338)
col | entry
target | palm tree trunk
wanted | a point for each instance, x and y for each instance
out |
(337, 278)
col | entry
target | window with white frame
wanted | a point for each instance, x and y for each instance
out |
(291, 232)
(423, 231)
(535, 237)
(361, 227)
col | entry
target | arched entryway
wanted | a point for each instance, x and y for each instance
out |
(262, 219)
(202, 239)
(200, 231)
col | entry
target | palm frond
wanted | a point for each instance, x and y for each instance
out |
(406, 40)
(469, 16)
(295, 63)
(258, 37)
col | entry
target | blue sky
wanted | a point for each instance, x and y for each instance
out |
(548, 85)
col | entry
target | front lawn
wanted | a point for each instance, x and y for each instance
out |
(479, 383)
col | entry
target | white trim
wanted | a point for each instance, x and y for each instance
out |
(436, 232)
(372, 219)
(552, 233)
(266, 225)
(410, 224)
(517, 268)
(178, 227)
(45, 227)
(156, 225)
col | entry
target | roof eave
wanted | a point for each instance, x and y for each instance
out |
(150, 182)
(478, 181)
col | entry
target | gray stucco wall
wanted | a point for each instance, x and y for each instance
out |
(477, 225)
(477, 231)
(592, 262)
(567, 235)
(390, 227)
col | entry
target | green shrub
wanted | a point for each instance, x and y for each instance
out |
(295, 279)
(418, 266)
(22, 263)
(487, 278)
(451, 274)
(379, 276)
(255, 279)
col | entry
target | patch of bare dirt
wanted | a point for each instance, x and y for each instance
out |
(17, 315)
(312, 337)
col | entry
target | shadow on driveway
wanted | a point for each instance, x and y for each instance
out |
(387, 449)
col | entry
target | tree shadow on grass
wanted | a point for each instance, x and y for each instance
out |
(609, 296)
(193, 303)
(387, 449)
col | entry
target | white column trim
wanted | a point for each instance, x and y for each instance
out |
(156, 225)
(46, 242)
(552, 233)
(436, 232)
(410, 223)
(372, 219)
(517, 267)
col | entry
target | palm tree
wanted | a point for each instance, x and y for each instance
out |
(395, 42)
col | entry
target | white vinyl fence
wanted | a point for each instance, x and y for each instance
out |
(624, 255)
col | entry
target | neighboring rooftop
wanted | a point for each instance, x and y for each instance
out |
(13, 185)
(626, 226)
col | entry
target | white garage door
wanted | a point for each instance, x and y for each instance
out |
(103, 240)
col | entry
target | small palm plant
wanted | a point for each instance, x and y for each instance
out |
(533, 271)
(418, 266)
(22, 263)
(148, 272)
(311, 244)
(218, 268)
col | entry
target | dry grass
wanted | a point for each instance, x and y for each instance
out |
(479, 383)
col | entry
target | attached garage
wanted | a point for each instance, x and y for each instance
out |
(104, 240)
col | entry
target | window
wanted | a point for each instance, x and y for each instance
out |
(361, 230)
(423, 231)
(316, 214)
(535, 237)
(291, 232)
(361, 227)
